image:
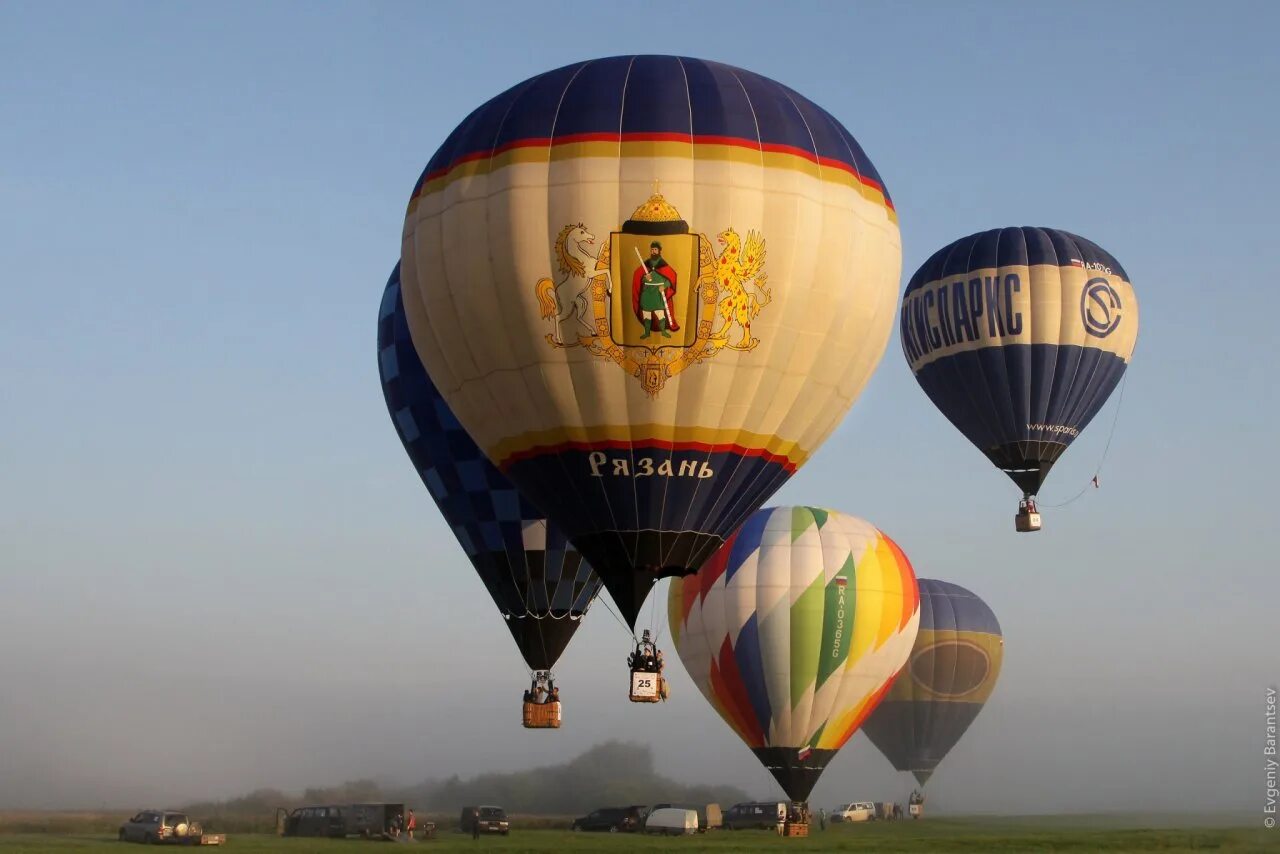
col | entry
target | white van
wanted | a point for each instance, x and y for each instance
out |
(672, 821)
(856, 811)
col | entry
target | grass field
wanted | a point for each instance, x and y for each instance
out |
(970, 835)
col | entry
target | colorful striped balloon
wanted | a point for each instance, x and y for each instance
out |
(953, 669)
(794, 630)
(650, 287)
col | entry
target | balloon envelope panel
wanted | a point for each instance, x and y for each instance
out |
(793, 631)
(952, 671)
(1019, 335)
(650, 287)
(539, 581)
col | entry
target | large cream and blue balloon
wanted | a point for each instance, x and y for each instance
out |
(650, 287)
(1019, 335)
(793, 632)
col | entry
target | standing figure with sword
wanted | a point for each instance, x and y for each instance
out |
(653, 286)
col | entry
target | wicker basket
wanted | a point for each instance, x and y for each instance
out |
(542, 715)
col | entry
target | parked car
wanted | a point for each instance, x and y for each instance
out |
(612, 819)
(709, 815)
(671, 821)
(315, 821)
(491, 820)
(856, 811)
(755, 815)
(155, 827)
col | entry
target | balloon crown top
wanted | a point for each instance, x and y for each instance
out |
(656, 209)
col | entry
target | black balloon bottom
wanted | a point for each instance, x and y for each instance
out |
(542, 639)
(1026, 463)
(795, 775)
(653, 554)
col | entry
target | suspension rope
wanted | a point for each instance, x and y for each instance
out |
(1098, 470)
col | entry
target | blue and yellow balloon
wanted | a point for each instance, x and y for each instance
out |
(1019, 335)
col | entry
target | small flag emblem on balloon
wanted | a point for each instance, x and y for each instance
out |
(804, 753)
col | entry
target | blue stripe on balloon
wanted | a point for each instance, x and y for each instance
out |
(746, 652)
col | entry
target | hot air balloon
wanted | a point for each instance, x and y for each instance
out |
(1019, 335)
(794, 630)
(650, 287)
(540, 583)
(952, 670)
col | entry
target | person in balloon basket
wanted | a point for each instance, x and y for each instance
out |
(653, 286)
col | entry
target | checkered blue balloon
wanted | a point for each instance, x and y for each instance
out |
(538, 580)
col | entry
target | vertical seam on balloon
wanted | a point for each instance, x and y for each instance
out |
(731, 512)
(987, 391)
(1026, 390)
(1070, 411)
(694, 290)
(631, 439)
(951, 362)
(1064, 316)
(711, 521)
(662, 507)
(1076, 412)
(589, 515)
(1008, 355)
(834, 316)
(666, 552)
(522, 593)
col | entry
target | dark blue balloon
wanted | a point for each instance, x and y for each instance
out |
(1018, 336)
(538, 580)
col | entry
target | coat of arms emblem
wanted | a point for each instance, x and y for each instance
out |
(657, 297)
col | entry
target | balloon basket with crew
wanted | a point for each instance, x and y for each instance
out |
(541, 709)
(1028, 518)
(647, 682)
(797, 823)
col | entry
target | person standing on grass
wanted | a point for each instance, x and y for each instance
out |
(411, 825)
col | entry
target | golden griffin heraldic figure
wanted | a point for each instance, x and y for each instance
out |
(656, 298)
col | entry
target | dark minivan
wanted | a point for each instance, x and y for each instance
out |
(490, 819)
(756, 815)
(338, 820)
(612, 819)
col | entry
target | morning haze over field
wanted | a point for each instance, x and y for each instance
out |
(219, 572)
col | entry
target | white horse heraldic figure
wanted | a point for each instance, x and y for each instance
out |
(576, 255)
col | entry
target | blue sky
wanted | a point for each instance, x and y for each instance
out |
(199, 206)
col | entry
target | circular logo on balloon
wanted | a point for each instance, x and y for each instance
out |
(1099, 308)
(951, 669)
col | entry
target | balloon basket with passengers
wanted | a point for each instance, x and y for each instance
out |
(600, 383)
(541, 708)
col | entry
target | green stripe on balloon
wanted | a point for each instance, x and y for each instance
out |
(837, 621)
(806, 627)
